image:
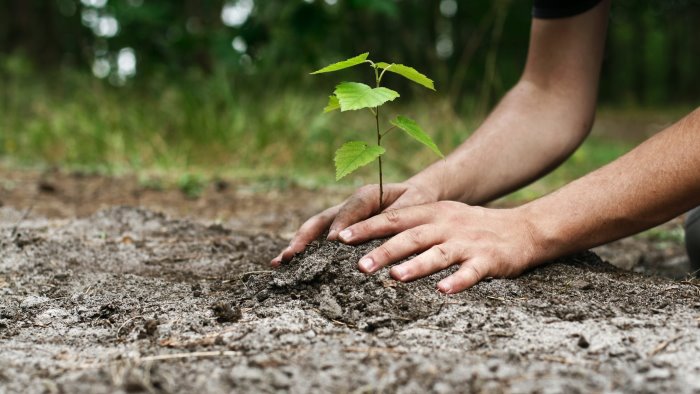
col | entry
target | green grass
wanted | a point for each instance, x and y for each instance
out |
(208, 125)
(200, 128)
(594, 153)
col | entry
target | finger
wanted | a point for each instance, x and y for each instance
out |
(361, 205)
(435, 259)
(308, 231)
(387, 223)
(404, 200)
(470, 273)
(404, 244)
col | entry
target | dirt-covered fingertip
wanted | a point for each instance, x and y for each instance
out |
(332, 235)
(276, 261)
(445, 287)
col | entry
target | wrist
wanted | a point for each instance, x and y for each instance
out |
(438, 181)
(547, 239)
(427, 186)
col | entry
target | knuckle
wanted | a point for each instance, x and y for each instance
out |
(474, 273)
(364, 193)
(415, 236)
(384, 253)
(443, 254)
(365, 189)
(446, 204)
(392, 216)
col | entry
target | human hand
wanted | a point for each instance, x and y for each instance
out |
(361, 205)
(485, 242)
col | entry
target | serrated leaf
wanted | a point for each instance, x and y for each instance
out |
(415, 131)
(409, 73)
(353, 155)
(332, 105)
(354, 95)
(354, 61)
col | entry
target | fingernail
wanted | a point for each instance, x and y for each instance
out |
(398, 272)
(332, 234)
(345, 235)
(367, 264)
(444, 287)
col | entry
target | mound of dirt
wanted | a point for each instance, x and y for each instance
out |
(325, 277)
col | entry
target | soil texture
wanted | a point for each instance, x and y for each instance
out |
(131, 300)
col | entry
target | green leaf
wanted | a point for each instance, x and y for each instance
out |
(354, 95)
(415, 131)
(353, 155)
(359, 59)
(408, 73)
(332, 105)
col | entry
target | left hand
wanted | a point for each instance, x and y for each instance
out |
(485, 242)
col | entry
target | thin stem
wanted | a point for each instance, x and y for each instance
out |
(388, 130)
(379, 80)
(379, 142)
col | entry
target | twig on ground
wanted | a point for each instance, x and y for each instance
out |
(176, 356)
(126, 322)
(164, 357)
(373, 349)
(254, 273)
(663, 345)
(21, 219)
(506, 299)
(555, 359)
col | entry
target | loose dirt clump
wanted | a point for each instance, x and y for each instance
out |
(325, 277)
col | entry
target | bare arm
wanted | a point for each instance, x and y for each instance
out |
(539, 123)
(653, 183)
(534, 128)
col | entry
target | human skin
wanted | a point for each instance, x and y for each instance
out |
(536, 126)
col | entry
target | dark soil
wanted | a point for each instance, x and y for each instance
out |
(130, 300)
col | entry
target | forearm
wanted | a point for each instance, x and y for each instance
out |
(529, 133)
(653, 183)
(539, 122)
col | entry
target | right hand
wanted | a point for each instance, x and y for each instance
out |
(358, 207)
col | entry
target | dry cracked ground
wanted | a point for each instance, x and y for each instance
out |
(126, 299)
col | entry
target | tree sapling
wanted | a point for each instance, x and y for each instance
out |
(350, 96)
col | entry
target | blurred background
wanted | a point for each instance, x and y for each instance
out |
(222, 87)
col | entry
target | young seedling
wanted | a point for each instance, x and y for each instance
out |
(350, 96)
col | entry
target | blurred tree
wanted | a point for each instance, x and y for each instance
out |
(474, 50)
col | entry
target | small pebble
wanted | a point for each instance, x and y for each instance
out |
(582, 342)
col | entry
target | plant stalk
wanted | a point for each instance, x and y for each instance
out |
(379, 143)
(378, 79)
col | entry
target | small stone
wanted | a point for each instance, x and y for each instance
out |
(581, 284)
(658, 374)
(151, 326)
(32, 301)
(330, 308)
(582, 342)
(225, 313)
(197, 290)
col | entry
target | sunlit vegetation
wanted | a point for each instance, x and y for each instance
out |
(214, 88)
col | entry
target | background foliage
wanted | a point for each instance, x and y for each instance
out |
(225, 84)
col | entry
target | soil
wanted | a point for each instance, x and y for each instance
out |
(124, 299)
